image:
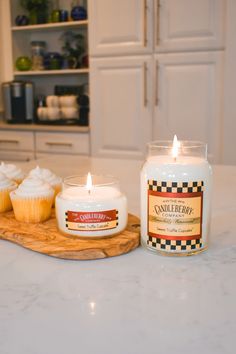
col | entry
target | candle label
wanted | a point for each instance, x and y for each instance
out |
(175, 215)
(91, 221)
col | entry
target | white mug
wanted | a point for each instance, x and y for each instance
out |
(42, 113)
(53, 113)
(68, 101)
(52, 101)
(69, 112)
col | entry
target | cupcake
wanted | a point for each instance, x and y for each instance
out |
(49, 177)
(6, 186)
(12, 171)
(32, 200)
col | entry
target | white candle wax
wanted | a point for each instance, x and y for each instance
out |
(101, 211)
(175, 204)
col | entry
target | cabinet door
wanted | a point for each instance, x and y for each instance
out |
(15, 140)
(121, 110)
(65, 143)
(120, 27)
(188, 98)
(189, 24)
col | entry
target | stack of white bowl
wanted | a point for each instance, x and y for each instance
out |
(59, 107)
(69, 107)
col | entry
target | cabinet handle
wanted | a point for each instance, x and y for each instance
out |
(145, 7)
(156, 84)
(2, 141)
(145, 100)
(157, 16)
(58, 144)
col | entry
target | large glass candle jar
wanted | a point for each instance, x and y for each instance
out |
(175, 198)
(91, 206)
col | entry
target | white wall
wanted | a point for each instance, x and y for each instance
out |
(229, 114)
(5, 42)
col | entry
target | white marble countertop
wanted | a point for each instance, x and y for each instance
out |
(132, 304)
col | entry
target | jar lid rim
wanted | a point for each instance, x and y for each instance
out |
(166, 144)
(111, 180)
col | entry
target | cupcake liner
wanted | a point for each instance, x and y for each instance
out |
(5, 200)
(32, 210)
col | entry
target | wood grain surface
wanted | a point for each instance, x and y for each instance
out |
(45, 238)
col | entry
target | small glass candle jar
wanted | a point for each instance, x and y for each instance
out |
(175, 198)
(91, 208)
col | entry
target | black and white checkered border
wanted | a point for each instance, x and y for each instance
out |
(117, 217)
(66, 218)
(174, 245)
(175, 187)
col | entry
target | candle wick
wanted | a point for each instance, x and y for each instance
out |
(175, 159)
(89, 191)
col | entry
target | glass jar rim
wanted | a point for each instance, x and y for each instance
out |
(167, 144)
(109, 180)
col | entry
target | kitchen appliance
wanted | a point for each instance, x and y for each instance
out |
(83, 101)
(18, 100)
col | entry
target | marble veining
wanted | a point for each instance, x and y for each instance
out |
(133, 304)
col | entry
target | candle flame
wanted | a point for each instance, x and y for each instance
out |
(175, 147)
(89, 183)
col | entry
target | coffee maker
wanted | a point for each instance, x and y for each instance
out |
(18, 100)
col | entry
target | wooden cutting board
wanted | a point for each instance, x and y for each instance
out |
(45, 238)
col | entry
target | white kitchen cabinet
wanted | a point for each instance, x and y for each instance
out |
(183, 82)
(188, 98)
(120, 27)
(177, 93)
(137, 26)
(16, 145)
(121, 113)
(23, 145)
(181, 25)
(16, 141)
(63, 143)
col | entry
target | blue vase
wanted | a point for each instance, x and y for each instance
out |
(78, 13)
(52, 61)
(21, 20)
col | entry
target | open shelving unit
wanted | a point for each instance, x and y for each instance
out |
(51, 26)
(25, 34)
(16, 42)
(52, 72)
(51, 33)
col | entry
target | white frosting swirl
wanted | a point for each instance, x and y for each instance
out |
(11, 171)
(33, 187)
(6, 183)
(46, 175)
